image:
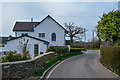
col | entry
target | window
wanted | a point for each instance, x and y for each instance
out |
(53, 36)
(24, 34)
(36, 46)
(42, 35)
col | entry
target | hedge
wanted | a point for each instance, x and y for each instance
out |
(77, 49)
(110, 56)
(58, 49)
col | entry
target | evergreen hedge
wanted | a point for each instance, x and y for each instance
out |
(110, 56)
(58, 49)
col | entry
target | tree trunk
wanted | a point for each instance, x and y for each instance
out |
(71, 39)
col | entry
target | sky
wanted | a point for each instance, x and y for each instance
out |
(85, 13)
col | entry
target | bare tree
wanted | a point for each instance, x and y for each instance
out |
(23, 46)
(74, 31)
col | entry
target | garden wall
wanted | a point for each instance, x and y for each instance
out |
(24, 69)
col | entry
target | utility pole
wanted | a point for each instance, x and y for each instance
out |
(119, 5)
(93, 38)
(85, 37)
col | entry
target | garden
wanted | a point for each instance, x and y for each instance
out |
(12, 56)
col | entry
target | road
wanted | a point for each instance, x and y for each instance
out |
(81, 66)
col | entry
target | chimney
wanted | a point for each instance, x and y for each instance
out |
(10, 37)
(31, 19)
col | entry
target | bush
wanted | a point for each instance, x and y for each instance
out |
(26, 55)
(110, 56)
(13, 56)
(77, 49)
(41, 53)
(58, 49)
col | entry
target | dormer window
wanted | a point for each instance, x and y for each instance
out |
(41, 35)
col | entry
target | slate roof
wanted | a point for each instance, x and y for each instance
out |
(26, 36)
(24, 26)
(28, 26)
(3, 39)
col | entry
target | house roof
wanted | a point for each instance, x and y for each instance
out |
(26, 36)
(24, 26)
(28, 26)
(3, 39)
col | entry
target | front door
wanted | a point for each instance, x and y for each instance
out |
(36, 50)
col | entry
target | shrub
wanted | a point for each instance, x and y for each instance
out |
(10, 56)
(41, 53)
(110, 56)
(26, 55)
(58, 49)
(18, 57)
(13, 56)
(75, 49)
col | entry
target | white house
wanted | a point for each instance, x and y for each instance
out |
(41, 35)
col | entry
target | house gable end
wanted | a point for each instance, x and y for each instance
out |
(52, 20)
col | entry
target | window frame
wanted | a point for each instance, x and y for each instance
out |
(36, 49)
(53, 37)
(41, 35)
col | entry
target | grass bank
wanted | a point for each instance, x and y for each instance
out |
(48, 64)
(94, 49)
(108, 67)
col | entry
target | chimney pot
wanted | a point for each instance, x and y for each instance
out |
(31, 19)
(10, 37)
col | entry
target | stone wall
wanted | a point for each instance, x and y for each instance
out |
(24, 69)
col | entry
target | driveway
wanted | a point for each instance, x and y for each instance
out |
(81, 66)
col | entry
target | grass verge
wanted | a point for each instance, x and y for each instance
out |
(108, 66)
(48, 64)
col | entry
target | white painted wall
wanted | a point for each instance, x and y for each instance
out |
(19, 33)
(12, 45)
(48, 26)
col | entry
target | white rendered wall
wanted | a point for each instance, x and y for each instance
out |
(48, 26)
(19, 33)
(12, 45)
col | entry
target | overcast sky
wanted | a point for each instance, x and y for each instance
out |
(81, 13)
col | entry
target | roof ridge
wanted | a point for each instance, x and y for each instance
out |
(53, 20)
(26, 21)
